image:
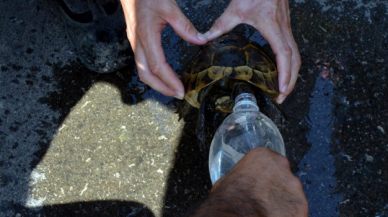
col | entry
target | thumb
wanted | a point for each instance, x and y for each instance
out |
(223, 24)
(184, 28)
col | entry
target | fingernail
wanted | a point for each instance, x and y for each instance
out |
(284, 89)
(207, 34)
(179, 95)
(281, 99)
(201, 37)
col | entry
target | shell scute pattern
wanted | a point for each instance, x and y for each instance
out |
(233, 57)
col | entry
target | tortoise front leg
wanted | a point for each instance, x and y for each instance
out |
(184, 110)
(205, 125)
(271, 109)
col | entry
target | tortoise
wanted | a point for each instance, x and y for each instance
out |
(224, 68)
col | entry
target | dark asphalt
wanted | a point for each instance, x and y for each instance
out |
(74, 143)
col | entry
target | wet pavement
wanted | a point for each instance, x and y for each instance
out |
(75, 143)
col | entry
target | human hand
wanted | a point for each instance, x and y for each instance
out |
(272, 19)
(145, 22)
(260, 184)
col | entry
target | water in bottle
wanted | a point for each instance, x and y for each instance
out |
(246, 128)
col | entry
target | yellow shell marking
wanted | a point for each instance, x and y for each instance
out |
(264, 76)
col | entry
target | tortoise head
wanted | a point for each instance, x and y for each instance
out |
(224, 104)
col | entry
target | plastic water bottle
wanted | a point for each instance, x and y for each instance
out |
(246, 128)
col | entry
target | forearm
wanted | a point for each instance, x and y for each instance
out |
(209, 208)
(260, 184)
(214, 206)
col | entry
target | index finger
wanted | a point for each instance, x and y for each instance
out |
(158, 65)
(274, 35)
(224, 24)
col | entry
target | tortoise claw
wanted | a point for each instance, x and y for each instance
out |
(184, 110)
(272, 110)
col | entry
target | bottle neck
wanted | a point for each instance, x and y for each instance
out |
(245, 102)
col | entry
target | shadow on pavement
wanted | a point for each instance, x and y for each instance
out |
(189, 179)
(335, 139)
(75, 80)
(106, 208)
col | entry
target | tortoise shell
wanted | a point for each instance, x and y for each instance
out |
(234, 57)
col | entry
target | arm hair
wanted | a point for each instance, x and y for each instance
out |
(229, 201)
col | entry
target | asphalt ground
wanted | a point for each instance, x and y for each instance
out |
(77, 143)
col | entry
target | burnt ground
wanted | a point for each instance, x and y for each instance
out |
(75, 143)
